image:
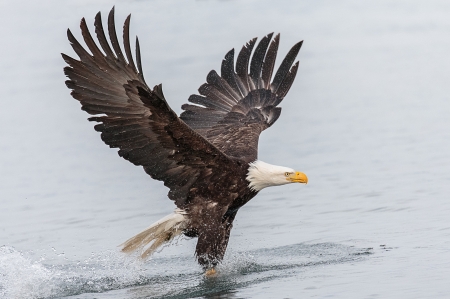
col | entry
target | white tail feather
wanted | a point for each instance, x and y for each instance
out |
(160, 232)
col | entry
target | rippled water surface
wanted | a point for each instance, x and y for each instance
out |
(367, 120)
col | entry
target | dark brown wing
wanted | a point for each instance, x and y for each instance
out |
(234, 108)
(134, 118)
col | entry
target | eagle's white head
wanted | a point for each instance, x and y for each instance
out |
(261, 175)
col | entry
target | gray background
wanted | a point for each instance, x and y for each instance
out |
(367, 120)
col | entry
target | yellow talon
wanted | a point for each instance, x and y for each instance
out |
(210, 272)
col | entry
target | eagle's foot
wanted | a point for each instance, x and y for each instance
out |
(210, 272)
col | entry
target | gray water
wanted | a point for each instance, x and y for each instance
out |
(367, 120)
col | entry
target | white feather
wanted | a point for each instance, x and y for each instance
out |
(261, 175)
(160, 232)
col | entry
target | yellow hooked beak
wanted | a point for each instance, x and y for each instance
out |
(297, 177)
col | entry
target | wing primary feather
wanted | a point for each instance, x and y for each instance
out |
(258, 58)
(89, 41)
(285, 66)
(242, 63)
(81, 52)
(287, 82)
(113, 36)
(269, 61)
(138, 59)
(126, 42)
(227, 73)
(102, 38)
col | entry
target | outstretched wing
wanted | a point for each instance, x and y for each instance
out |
(134, 118)
(234, 108)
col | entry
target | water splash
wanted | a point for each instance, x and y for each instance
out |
(23, 277)
(114, 275)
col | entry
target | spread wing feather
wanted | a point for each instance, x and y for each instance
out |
(269, 61)
(234, 108)
(258, 60)
(137, 120)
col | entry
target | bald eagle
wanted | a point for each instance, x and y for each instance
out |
(207, 156)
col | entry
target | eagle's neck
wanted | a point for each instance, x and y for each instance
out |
(261, 175)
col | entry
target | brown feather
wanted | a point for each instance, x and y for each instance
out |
(247, 98)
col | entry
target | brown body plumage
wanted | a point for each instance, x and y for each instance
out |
(202, 156)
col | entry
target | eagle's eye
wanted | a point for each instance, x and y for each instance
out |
(287, 173)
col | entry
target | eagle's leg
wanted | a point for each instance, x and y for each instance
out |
(212, 244)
